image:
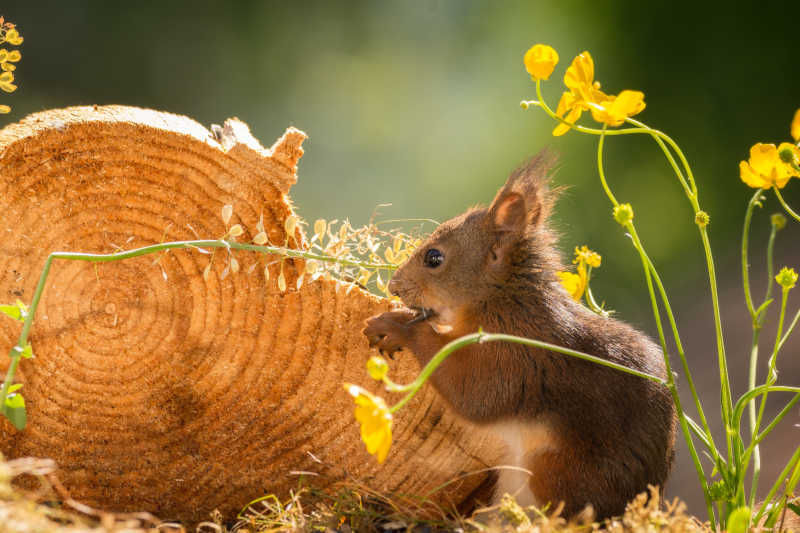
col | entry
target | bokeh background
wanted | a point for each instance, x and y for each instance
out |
(416, 104)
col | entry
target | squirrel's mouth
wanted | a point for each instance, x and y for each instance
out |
(422, 314)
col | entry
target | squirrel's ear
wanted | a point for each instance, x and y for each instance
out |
(524, 199)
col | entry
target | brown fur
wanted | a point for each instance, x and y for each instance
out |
(614, 432)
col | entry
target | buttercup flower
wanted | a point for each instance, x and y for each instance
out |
(585, 95)
(540, 60)
(375, 419)
(585, 255)
(575, 284)
(616, 109)
(765, 168)
(795, 127)
(583, 90)
(786, 278)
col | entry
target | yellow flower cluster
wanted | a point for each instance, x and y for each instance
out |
(583, 92)
(10, 35)
(576, 283)
(769, 165)
(375, 419)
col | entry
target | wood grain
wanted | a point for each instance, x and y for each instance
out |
(155, 389)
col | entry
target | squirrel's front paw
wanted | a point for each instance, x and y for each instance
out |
(389, 331)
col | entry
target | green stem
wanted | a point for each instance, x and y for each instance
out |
(789, 329)
(650, 273)
(778, 418)
(747, 397)
(785, 206)
(481, 337)
(23, 336)
(765, 389)
(793, 462)
(667, 307)
(647, 266)
(748, 215)
(662, 291)
(15, 354)
(770, 269)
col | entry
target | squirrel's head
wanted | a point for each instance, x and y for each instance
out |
(480, 256)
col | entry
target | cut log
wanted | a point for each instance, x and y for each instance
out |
(156, 389)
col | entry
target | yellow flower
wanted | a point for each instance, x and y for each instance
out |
(575, 284)
(616, 109)
(13, 37)
(8, 58)
(4, 109)
(540, 60)
(585, 94)
(6, 79)
(583, 90)
(585, 255)
(765, 168)
(375, 419)
(795, 128)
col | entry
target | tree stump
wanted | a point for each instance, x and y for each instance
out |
(157, 389)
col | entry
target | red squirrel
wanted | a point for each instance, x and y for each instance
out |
(587, 433)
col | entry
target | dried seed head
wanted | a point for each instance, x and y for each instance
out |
(227, 213)
(289, 225)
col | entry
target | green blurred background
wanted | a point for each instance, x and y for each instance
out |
(417, 104)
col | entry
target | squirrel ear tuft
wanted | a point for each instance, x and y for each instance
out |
(525, 198)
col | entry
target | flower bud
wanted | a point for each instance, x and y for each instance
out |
(778, 221)
(623, 214)
(540, 60)
(702, 219)
(786, 278)
(377, 368)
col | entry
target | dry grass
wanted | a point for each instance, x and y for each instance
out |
(351, 507)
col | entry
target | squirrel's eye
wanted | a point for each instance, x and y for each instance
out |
(433, 258)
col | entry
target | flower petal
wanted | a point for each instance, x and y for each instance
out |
(580, 73)
(571, 118)
(795, 127)
(750, 177)
(5, 82)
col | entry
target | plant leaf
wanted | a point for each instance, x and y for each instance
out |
(14, 410)
(27, 352)
(12, 311)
